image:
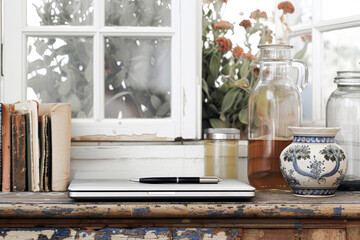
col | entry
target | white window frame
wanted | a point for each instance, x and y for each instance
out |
(185, 120)
(317, 28)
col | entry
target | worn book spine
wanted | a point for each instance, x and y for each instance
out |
(47, 155)
(6, 155)
(28, 151)
(31, 107)
(60, 117)
(42, 152)
(18, 152)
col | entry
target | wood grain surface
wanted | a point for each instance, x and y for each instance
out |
(345, 205)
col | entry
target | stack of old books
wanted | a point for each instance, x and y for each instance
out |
(35, 146)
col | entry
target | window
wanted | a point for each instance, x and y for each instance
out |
(130, 69)
(335, 30)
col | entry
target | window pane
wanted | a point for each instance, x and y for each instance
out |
(61, 70)
(303, 50)
(341, 53)
(336, 9)
(137, 77)
(60, 12)
(153, 13)
(302, 13)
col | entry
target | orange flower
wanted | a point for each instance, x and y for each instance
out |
(256, 71)
(287, 7)
(257, 14)
(224, 1)
(249, 56)
(224, 43)
(306, 38)
(223, 25)
(237, 51)
(267, 36)
(245, 23)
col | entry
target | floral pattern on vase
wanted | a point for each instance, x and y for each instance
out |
(313, 168)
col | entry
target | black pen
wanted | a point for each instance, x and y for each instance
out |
(157, 180)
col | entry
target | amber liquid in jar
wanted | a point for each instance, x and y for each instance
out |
(221, 158)
(264, 164)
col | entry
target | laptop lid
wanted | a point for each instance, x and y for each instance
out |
(123, 189)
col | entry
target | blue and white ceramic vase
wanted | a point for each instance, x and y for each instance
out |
(313, 164)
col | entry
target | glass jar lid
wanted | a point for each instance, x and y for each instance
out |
(347, 78)
(275, 52)
(222, 133)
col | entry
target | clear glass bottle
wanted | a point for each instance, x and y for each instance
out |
(274, 105)
(343, 110)
(221, 152)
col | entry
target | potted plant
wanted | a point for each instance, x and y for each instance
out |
(229, 72)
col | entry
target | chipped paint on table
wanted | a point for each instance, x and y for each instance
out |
(346, 205)
(76, 233)
(267, 216)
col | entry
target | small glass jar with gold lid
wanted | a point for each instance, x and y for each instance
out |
(221, 152)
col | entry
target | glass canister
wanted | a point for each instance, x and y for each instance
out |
(274, 105)
(221, 152)
(343, 110)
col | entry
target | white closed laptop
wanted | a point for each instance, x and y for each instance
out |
(124, 189)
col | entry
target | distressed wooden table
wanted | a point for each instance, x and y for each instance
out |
(267, 216)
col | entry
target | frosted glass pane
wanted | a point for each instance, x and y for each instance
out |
(137, 77)
(60, 12)
(153, 13)
(61, 70)
(341, 53)
(337, 9)
(303, 51)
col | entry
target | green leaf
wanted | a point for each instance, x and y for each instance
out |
(217, 123)
(155, 101)
(226, 69)
(242, 83)
(163, 109)
(244, 71)
(214, 66)
(243, 116)
(222, 117)
(205, 88)
(213, 108)
(224, 88)
(47, 60)
(41, 49)
(51, 41)
(229, 99)
(35, 65)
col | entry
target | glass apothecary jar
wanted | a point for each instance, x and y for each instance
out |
(274, 104)
(343, 110)
(221, 152)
